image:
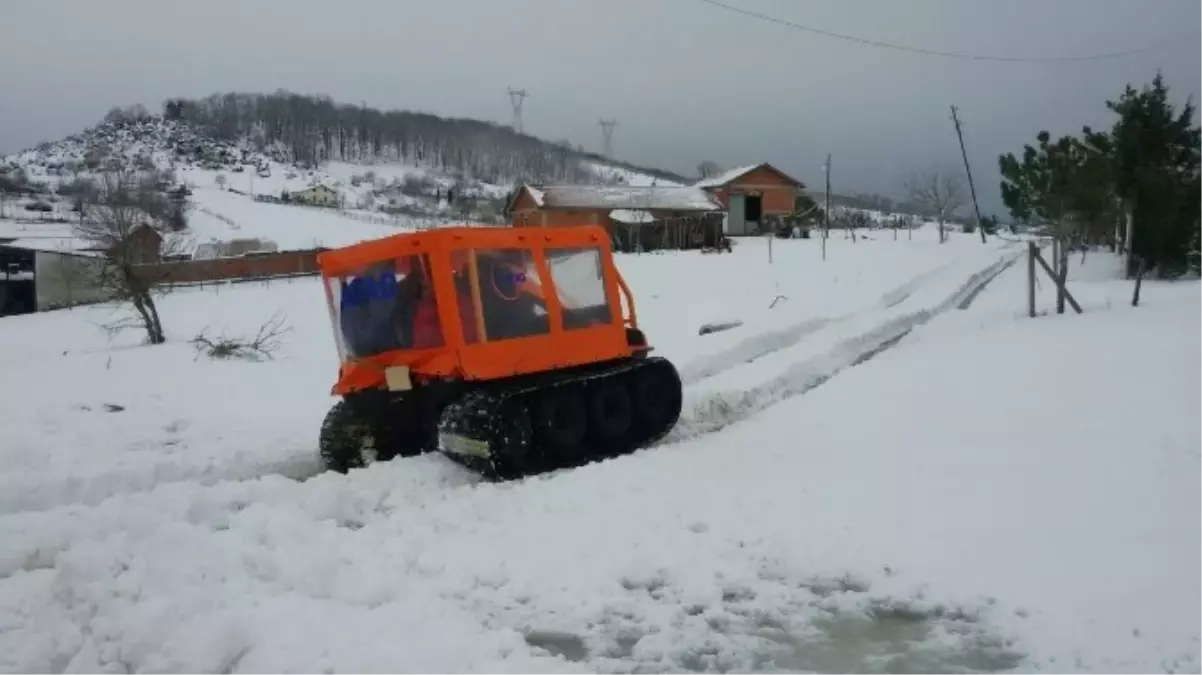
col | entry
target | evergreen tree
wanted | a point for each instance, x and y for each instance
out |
(1066, 184)
(989, 224)
(1156, 174)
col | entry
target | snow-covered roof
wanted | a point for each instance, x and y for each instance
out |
(631, 216)
(724, 177)
(625, 197)
(728, 176)
(64, 245)
(537, 195)
(315, 187)
(11, 229)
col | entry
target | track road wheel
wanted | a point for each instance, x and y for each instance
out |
(347, 440)
(657, 399)
(562, 420)
(610, 412)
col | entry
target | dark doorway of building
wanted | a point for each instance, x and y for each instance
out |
(16, 297)
(752, 208)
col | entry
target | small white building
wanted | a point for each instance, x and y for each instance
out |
(233, 248)
(317, 195)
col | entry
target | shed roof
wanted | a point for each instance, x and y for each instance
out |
(622, 197)
(734, 174)
(10, 229)
(61, 245)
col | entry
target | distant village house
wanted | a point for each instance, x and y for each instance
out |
(734, 203)
(317, 195)
(750, 194)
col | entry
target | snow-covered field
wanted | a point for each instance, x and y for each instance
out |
(992, 493)
(221, 215)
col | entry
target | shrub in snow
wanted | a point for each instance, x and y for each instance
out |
(263, 345)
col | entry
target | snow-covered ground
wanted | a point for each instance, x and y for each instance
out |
(222, 215)
(992, 493)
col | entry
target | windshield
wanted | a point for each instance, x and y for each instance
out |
(386, 306)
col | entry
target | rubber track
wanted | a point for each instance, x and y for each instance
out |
(479, 414)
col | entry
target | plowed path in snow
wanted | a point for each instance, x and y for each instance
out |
(869, 335)
(768, 342)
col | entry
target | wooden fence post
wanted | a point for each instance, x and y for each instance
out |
(1031, 253)
(1060, 287)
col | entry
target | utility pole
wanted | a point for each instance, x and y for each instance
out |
(826, 216)
(607, 136)
(971, 188)
(516, 97)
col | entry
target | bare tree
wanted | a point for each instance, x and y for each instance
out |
(124, 222)
(938, 190)
(708, 169)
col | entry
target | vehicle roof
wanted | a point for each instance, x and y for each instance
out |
(342, 260)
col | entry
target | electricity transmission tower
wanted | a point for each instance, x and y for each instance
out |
(516, 97)
(607, 136)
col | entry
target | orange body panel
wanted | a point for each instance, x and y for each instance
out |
(451, 255)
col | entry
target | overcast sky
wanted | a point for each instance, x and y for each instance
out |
(686, 81)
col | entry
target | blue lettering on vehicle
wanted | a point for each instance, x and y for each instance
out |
(366, 289)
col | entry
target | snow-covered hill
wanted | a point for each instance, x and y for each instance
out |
(236, 188)
(885, 468)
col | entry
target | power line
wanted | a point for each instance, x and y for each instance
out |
(935, 52)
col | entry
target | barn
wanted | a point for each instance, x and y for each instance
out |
(44, 273)
(43, 266)
(750, 194)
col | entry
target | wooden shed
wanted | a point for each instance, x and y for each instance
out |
(750, 193)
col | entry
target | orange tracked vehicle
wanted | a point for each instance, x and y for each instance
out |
(509, 350)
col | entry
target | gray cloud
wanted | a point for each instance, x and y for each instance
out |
(686, 81)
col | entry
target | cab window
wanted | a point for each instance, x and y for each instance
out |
(387, 306)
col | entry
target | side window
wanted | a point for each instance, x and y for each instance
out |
(388, 305)
(579, 280)
(511, 296)
(471, 320)
(334, 305)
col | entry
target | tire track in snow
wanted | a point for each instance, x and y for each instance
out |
(762, 344)
(720, 410)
